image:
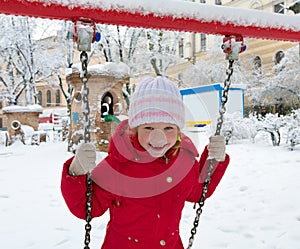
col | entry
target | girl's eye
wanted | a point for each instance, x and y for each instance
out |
(149, 128)
(169, 128)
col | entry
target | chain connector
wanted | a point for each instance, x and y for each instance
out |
(85, 34)
(232, 46)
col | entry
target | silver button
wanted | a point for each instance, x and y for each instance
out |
(129, 238)
(118, 203)
(162, 242)
(136, 240)
(169, 179)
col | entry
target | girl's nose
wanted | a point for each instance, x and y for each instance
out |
(157, 138)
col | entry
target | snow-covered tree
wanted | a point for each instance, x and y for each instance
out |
(212, 69)
(26, 61)
(162, 47)
(141, 49)
(118, 44)
(281, 89)
(271, 124)
(237, 128)
(292, 125)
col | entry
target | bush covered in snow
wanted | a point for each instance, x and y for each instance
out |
(278, 127)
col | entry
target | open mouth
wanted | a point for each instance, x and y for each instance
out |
(157, 150)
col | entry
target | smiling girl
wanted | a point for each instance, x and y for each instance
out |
(150, 171)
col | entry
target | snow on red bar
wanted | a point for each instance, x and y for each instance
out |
(175, 15)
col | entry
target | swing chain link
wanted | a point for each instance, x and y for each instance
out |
(206, 183)
(88, 219)
(87, 139)
(85, 95)
(222, 109)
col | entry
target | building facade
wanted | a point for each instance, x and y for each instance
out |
(264, 53)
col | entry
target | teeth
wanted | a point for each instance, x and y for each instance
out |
(157, 147)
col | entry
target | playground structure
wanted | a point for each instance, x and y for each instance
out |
(202, 103)
(107, 103)
(18, 116)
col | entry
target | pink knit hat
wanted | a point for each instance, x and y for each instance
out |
(156, 100)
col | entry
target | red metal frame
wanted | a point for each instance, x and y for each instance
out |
(150, 20)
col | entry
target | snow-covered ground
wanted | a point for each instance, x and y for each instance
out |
(256, 205)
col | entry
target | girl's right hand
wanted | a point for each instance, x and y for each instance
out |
(84, 160)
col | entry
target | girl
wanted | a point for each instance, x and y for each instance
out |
(150, 171)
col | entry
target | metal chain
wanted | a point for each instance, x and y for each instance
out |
(85, 95)
(212, 161)
(87, 139)
(88, 218)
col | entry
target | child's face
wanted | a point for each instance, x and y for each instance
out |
(157, 138)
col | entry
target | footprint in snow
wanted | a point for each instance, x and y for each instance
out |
(243, 188)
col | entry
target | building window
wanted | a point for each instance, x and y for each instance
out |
(48, 98)
(107, 104)
(278, 57)
(218, 2)
(181, 54)
(202, 1)
(257, 65)
(202, 42)
(279, 66)
(57, 97)
(279, 8)
(167, 49)
(77, 97)
(40, 98)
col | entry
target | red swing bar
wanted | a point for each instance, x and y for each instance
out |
(169, 21)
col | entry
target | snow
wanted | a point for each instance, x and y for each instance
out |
(48, 112)
(256, 205)
(28, 108)
(189, 10)
(118, 70)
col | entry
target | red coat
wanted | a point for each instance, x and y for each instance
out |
(145, 196)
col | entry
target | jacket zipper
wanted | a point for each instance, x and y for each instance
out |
(166, 158)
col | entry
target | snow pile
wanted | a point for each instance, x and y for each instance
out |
(28, 108)
(117, 70)
(255, 205)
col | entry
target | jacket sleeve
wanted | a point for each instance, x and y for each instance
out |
(73, 189)
(201, 173)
